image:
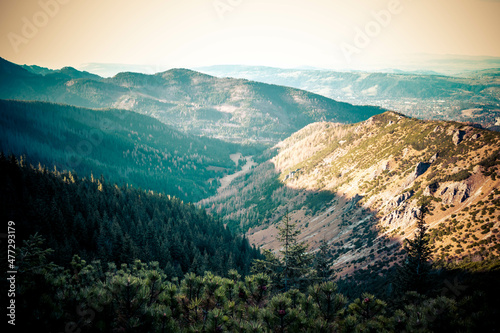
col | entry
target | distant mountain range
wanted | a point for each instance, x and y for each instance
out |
(231, 109)
(429, 64)
(472, 96)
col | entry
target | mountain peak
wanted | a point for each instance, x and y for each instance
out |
(183, 73)
(76, 74)
(9, 68)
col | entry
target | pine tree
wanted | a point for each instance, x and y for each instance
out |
(287, 235)
(271, 266)
(294, 268)
(367, 314)
(296, 260)
(328, 303)
(413, 274)
(323, 262)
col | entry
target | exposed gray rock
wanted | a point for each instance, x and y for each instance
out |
(427, 191)
(434, 158)
(398, 201)
(458, 137)
(401, 217)
(431, 189)
(421, 168)
(476, 136)
(456, 192)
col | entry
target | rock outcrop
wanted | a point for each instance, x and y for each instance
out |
(401, 217)
(398, 201)
(354, 201)
(455, 193)
(458, 137)
(420, 169)
(431, 189)
(434, 158)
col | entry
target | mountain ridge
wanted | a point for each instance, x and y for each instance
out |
(472, 96)
(196, 103)
(360, 186)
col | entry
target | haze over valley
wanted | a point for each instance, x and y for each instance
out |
(468, 96)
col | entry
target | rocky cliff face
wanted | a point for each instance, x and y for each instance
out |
(360, 187)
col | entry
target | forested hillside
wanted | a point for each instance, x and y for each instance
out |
(98, 220)
(124, 146)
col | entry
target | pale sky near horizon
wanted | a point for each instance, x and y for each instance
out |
(282, 33)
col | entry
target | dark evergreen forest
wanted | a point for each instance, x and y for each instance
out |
(101, 221)
(124, 146)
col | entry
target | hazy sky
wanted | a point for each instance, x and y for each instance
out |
(285, 33)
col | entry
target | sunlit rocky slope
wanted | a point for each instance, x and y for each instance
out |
(360, 188)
